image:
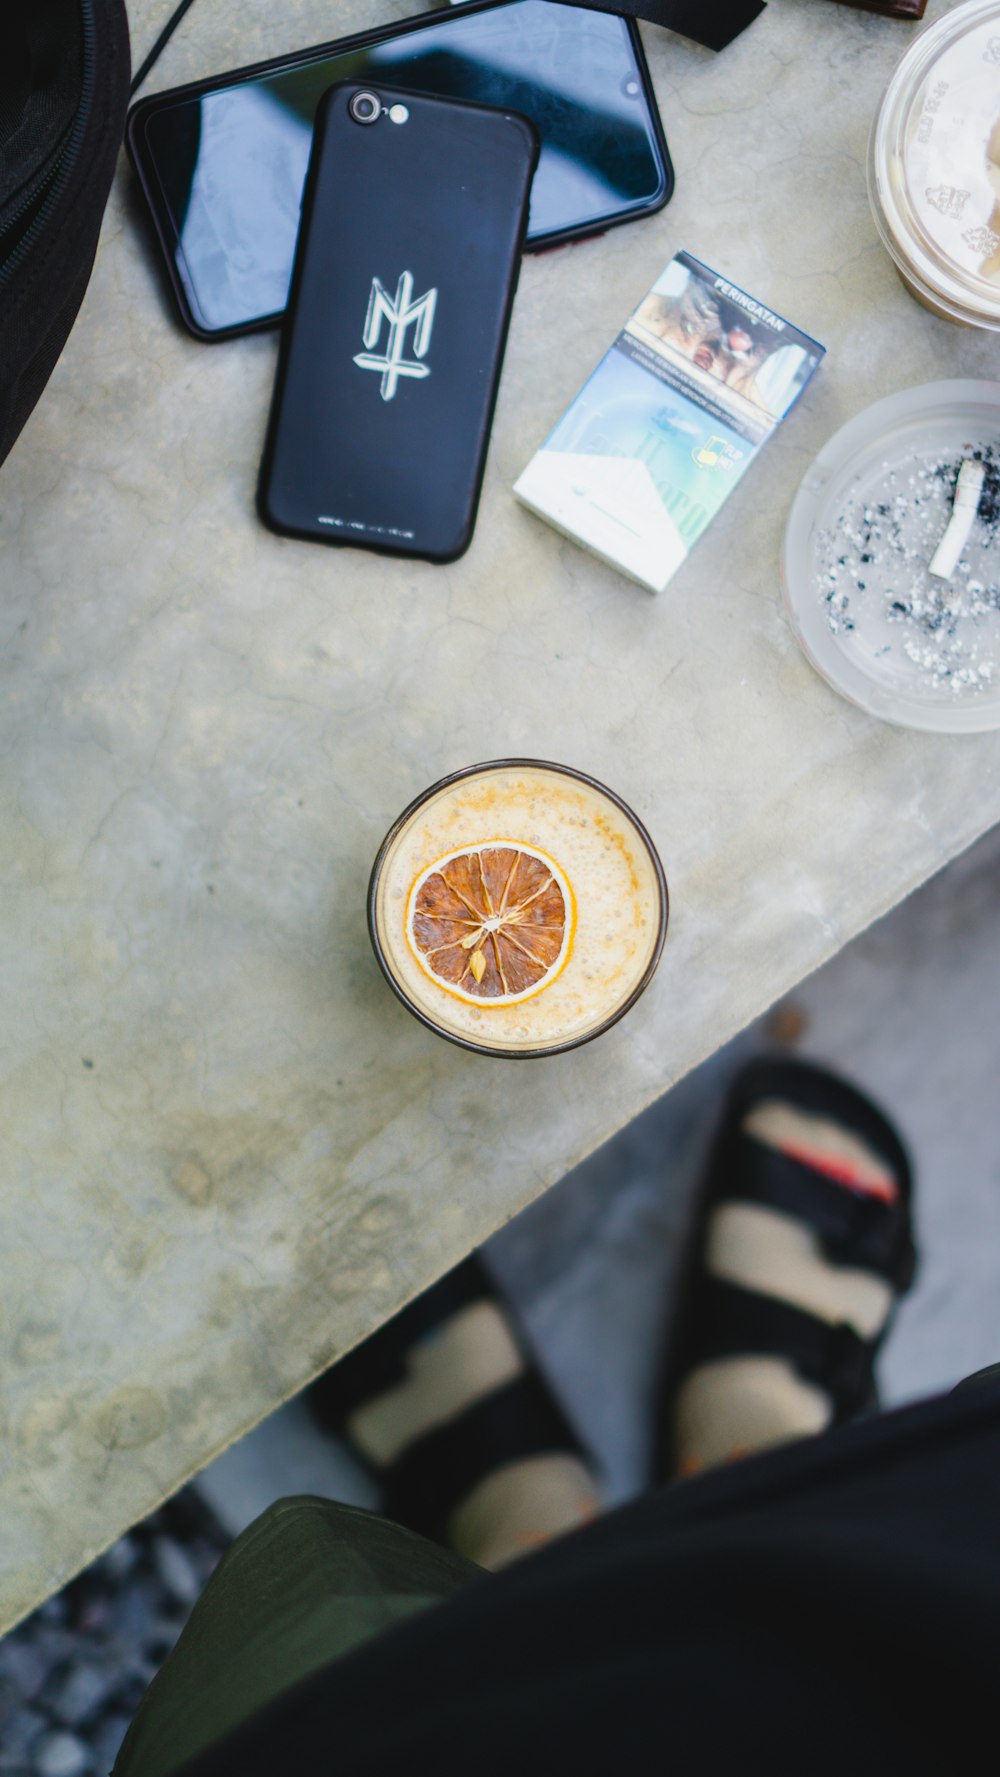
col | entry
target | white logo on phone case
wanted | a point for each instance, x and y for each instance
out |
(401, 312)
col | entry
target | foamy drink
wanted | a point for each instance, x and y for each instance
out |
(518, 907)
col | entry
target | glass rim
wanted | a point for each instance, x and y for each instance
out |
(454, 777)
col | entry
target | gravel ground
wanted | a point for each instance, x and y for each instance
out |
(72, 1675)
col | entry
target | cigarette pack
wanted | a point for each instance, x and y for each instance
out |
(676, 411)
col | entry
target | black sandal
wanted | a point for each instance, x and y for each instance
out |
(716, 1319)
(434, 1473)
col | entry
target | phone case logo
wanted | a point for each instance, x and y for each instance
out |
(401, 312)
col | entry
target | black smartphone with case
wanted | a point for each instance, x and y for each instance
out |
(222, 161)
(413, 223)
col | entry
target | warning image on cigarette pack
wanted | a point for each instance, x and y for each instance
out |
(724, 340)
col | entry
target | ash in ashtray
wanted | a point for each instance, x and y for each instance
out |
(874, 579)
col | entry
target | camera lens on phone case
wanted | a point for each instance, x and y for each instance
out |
(365, 107)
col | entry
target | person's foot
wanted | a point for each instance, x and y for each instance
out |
(802, 1249)
(447, 1409)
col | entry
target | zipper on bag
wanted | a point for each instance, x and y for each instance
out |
(54, 183)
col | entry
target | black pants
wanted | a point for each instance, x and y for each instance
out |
(831, 1607)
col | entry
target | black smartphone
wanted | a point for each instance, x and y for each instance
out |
(413, 224)
(222, 162)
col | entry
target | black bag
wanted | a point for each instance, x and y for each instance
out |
(64, 74)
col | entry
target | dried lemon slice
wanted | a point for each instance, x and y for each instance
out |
(492, 923)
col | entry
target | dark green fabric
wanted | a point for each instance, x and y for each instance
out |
(306, 1582)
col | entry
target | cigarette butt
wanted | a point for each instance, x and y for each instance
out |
(967, 491)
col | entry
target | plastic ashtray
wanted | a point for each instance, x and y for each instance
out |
(934, 165)
(877, 626)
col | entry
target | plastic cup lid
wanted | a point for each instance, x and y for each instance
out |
(934, 164)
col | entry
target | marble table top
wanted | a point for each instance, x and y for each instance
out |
(228, 1152)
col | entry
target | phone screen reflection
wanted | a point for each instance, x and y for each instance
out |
(231, 164)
